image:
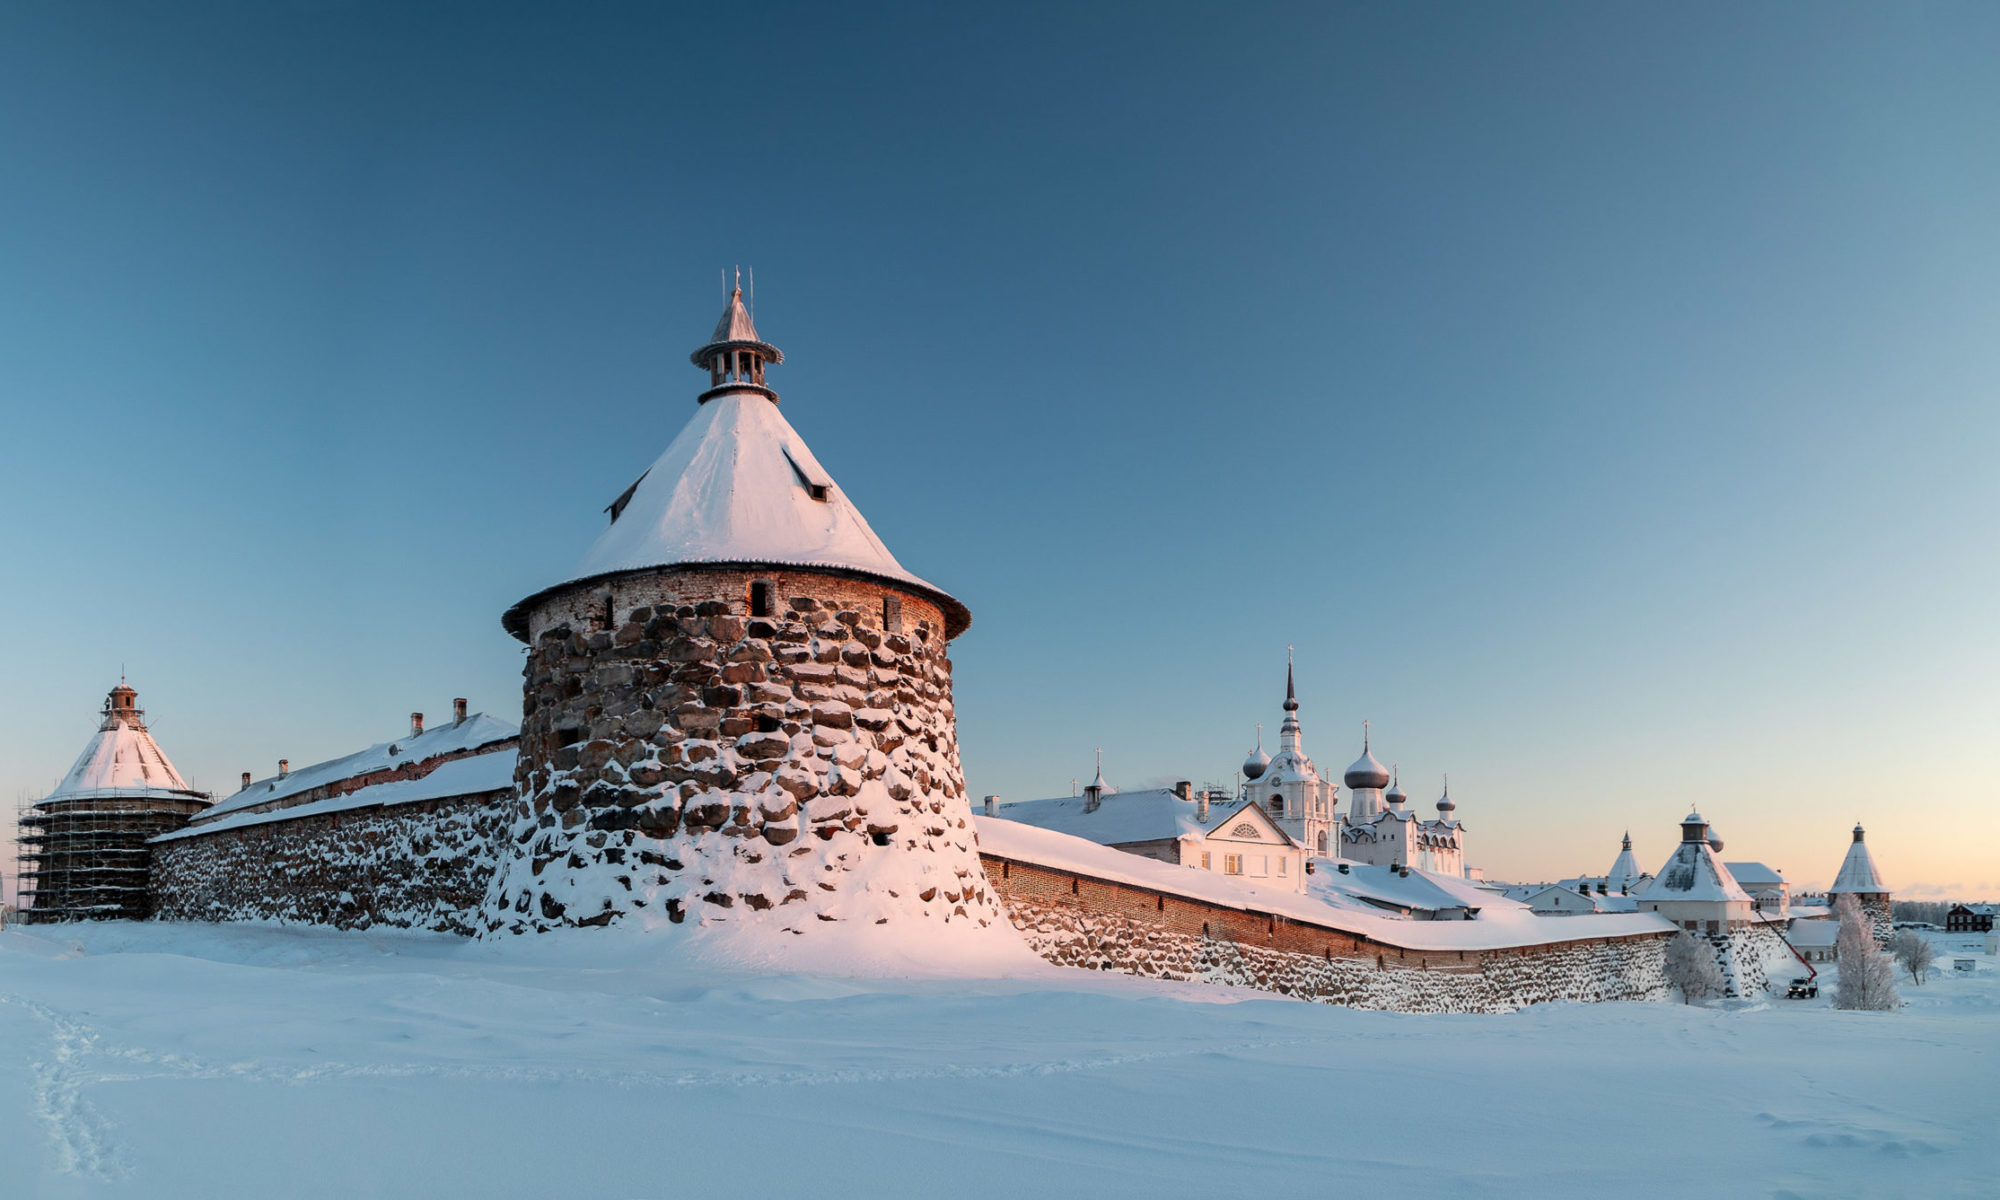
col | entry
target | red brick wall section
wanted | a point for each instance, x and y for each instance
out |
(1075, 920)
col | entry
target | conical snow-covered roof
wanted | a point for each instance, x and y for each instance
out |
(121, 758)
(1693, 872)
(739, 486)
(1857, 870)
(1624, 869)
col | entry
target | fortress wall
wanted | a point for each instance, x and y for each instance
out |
(424, 865)
(1075, 920)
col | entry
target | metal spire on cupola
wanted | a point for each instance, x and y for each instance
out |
(735, 357)
(1288, 733)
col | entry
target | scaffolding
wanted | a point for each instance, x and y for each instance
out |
(83, 855)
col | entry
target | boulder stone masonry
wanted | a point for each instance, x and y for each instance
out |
(415, 866)
(682, 757)
(1079, 921)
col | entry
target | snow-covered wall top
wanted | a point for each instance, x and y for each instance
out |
(739, 485)
(470, 734)
(477, 775)
(1500, 924)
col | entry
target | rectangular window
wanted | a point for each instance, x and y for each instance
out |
(760, 599)
(1232, 864)
(1284, 866)
(892, 614)
(1204, 861)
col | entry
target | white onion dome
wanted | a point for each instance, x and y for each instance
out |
(1366, 772)
(1714, 840)
(1446, 805)
(1396, 795)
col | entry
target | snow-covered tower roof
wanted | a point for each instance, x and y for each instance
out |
(738, 487)
(1693, 872)
(1857, 870)
(1624, 869)
(122, 758)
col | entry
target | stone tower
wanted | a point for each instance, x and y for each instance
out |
(83, 848)
(738, 709)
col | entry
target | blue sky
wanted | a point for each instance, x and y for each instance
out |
(1602, 398)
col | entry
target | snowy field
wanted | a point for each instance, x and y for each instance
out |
(168, 1061)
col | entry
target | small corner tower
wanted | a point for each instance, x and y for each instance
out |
(83, 849)
(738, 707)
(1859, 878)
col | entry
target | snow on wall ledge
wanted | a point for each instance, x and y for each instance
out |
(699, 743)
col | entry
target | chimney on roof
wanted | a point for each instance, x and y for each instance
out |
(416, 724)
(1201, 805)
(458, 711)
(1184, 789)
(246, 779)
(284, 767)
(992, 806)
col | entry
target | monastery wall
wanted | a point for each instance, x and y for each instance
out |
(1078, 921)
(684, 753)
(424, 865)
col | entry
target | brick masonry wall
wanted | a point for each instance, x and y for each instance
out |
(683, 756)
(413, 866)
(1078, 921)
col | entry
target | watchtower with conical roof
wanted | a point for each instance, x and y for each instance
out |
(1858, 877)
(738, 706)
(83, 848)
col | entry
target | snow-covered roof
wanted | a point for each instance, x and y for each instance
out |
(1754, 874)
(1328, 903)
(121, 758)
(739, 486)
(1857, 870)
(477, 774)
(475, 731)
(1121, 817)
(1693, 873)
(1624, 869)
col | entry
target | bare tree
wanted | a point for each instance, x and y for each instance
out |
(1914, 951)
(1691, 967)
(1867, 977)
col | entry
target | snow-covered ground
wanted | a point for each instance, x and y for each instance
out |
(163, 1061)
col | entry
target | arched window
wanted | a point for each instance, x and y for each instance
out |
(1278, 805)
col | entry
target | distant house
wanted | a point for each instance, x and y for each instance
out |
(1814, 939)
(1970, 918)
(1770, 892)
(1174, 826)
(1556, 899)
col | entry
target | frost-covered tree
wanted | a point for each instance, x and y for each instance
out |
(1914, 951)
(1691, 967)
(1867, 977)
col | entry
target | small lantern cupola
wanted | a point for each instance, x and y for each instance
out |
(735, 357)
(1093, 792)
(1694, 828)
